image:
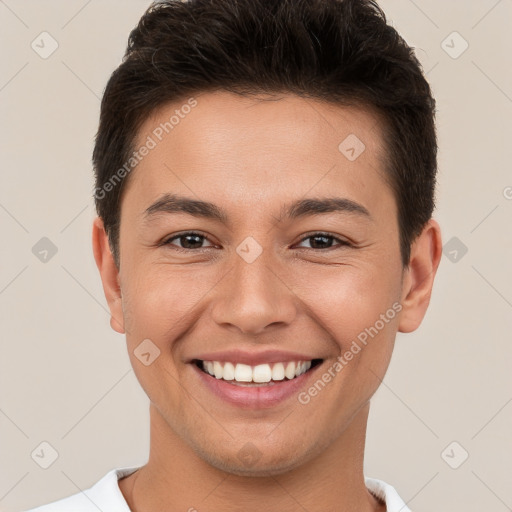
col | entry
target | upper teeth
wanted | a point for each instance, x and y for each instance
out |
(260, 373)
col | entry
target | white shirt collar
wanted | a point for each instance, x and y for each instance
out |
(107, 496)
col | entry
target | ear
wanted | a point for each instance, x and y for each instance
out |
(418, 280)
(109, 275)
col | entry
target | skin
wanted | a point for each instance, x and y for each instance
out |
(250, 157)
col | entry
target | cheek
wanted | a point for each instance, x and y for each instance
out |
(348, 300)
(160, 300)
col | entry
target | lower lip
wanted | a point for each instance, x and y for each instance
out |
(254, 397)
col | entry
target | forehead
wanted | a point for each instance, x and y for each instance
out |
(220, 115)
(258, 148)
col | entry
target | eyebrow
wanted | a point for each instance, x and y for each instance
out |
(172, 203)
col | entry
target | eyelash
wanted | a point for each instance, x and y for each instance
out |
(312, 235)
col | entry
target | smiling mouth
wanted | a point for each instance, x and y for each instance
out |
(260, 375)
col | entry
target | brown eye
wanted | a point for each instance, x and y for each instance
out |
(188, 241)
(323, 241)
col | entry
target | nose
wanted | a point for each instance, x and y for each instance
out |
(252, 297)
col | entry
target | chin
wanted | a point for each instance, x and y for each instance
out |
(250, 461)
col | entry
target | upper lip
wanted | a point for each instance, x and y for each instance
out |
(253, 358)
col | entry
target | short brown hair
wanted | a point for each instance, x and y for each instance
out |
(340, 51)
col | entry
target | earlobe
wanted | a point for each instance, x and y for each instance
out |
(418, 281)
(109, 274)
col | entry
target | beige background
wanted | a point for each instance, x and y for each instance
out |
(65, 377)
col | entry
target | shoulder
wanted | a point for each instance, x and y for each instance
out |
(104, 495)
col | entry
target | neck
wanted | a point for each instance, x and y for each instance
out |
(176, 479)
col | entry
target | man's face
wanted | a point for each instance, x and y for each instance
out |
(261, 283)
